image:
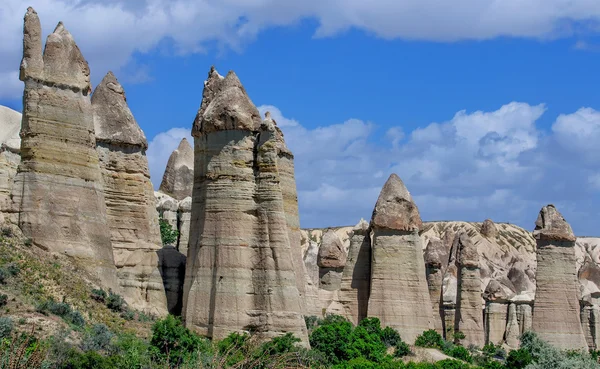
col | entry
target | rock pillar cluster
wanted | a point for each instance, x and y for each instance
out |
(58, 190)
(240, 272)
(10, 150)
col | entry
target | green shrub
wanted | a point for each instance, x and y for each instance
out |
(99, 295)
(452, 364)
(460, 353)
(167, 233)
(97, 338)
(128, 315)
(172, 342)
(402, 349)
(429, 338)
(3, 300)
(458, 336)
(332, 338)
(311, 321)
(61, 309)
(280, 345)
(390, 337)
(115, 302)
(76, 318)
(6, 326)
(3, 276)
(366, 342)
(13, 269)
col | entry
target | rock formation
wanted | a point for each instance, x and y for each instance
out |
(355, 285)
(436, 260)
(469, 317)
(184, 217)
(240, 273)
(10, 148)
(331, 261)
(556, 315)
(178, 179)
(399, 294)
(131, 214)
(58, 190)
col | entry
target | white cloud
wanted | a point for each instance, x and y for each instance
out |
(160, 148)
(580, 133)
(110, 32)
(475, 166)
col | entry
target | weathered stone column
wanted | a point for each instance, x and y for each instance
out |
(58, 189)
(556, 316)
(399, 294)
(178, 178)
(436, 261)
(240, 274)
(131, 214)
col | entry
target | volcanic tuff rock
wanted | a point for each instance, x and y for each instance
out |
(58, 188)
(132, 218)
(178, 179)
(436, 260)
(355, 285)
(556, 315)
(240, 273)
(469, 319)
(399, 294)
(10, 147)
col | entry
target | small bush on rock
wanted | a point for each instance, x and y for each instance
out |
(429, 338)
(6, 327)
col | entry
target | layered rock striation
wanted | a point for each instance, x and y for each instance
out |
(58, 192)
(399, 294)
(556, 314)
(131, 214)
(240, 273)
(10, 149)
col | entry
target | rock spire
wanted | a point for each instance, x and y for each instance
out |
(131, 214)
(556, 312)
(58, 190)
(240, 272)
(399, 293)
(178, 179)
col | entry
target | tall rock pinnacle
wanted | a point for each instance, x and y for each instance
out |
(556, 314)
(132, 218)
(58, 190)
(240, 272)
(399, 293)
(178, 179)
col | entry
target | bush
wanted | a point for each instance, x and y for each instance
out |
(6, 327)
(172, 342)
(168, 235)
(460, 353)
(280, 345)
(13, 269)
(390, 337)
(128, 315)
(76, 318)
(99, 295)
(452, 364)
(332, 338)
(429, 338)
(115, 302)
(3, 276)
(3, 300)
(311, 321)
(402, 349)
(97, 338)
(61, 309)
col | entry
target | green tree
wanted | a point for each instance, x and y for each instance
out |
(429, 338)
(167, 233)
(171, 342)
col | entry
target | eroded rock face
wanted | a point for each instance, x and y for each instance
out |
(355, 286)
(10, 148)
(469, 317)
(58, 189)
(556, 315)
(178, 179)
(132, 218)
(436, 261)
(399, 293)
(239, 257)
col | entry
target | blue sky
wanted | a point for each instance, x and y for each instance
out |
(485, 110)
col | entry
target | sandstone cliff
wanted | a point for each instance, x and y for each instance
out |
(58, 190)
(240, 272)
(131, 214)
